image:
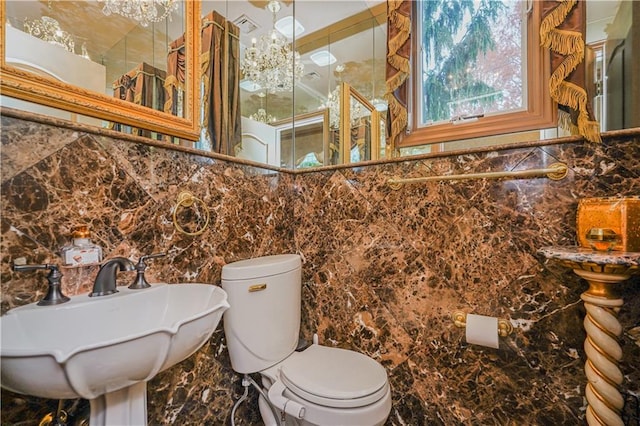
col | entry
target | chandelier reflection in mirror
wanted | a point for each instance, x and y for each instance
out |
(270, 62)
(333, 104)
(261, 115)
(142, 11)
(48, 29)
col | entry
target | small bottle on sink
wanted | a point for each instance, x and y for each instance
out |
(81, 250)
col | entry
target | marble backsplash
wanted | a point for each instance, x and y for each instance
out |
(383, 269)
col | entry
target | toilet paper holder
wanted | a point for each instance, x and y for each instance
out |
(505, 328)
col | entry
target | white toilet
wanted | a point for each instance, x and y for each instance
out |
(317, 386)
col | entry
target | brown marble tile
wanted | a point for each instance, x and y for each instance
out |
(383, 269)
(24, 143)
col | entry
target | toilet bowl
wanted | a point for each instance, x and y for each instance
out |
(318, 385)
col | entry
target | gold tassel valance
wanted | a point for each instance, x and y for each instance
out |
(398, 68)
(569, 45)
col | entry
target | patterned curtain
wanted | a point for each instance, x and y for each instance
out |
(220, 68)
(562, 31)
(397, 70)
(143, 85)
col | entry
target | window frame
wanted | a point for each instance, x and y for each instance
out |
(541, 111)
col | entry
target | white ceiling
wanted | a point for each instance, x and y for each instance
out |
(600, 14)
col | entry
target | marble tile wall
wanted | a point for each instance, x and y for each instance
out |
(383, 269)
(54, 178)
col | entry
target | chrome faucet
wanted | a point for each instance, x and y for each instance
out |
(105, 282)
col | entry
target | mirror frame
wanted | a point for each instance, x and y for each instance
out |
(346, 93)
(305, 119)
(30, 87)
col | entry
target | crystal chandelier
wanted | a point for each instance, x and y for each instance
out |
(48, 29)
(333, 104)
(261, 115)
(270, 62)
(143, 11)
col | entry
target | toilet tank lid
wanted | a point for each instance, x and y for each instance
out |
(260, 267)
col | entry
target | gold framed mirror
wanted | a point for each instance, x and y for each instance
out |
(44, 89)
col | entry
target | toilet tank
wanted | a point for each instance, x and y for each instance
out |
(263, 323)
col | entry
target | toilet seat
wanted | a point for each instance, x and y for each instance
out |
(334, 377)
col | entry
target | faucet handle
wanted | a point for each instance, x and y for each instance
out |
(141, 282)
(152, 256)
(54, 294)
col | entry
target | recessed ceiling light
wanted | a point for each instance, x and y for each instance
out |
(289, 27)
(322, 58)
(249, 86)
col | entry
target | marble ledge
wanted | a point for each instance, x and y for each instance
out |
(42, 119)
(585, 255)
(99, 131)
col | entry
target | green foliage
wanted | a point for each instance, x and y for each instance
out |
(449, 54)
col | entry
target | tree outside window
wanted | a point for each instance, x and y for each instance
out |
(472, 58)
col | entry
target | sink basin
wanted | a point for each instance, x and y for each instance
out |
(93, 346)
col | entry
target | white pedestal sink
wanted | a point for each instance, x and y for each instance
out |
(106, 348)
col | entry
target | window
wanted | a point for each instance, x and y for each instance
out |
(478, 70)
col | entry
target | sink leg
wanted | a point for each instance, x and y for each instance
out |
(605, 402)
(126, 406)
